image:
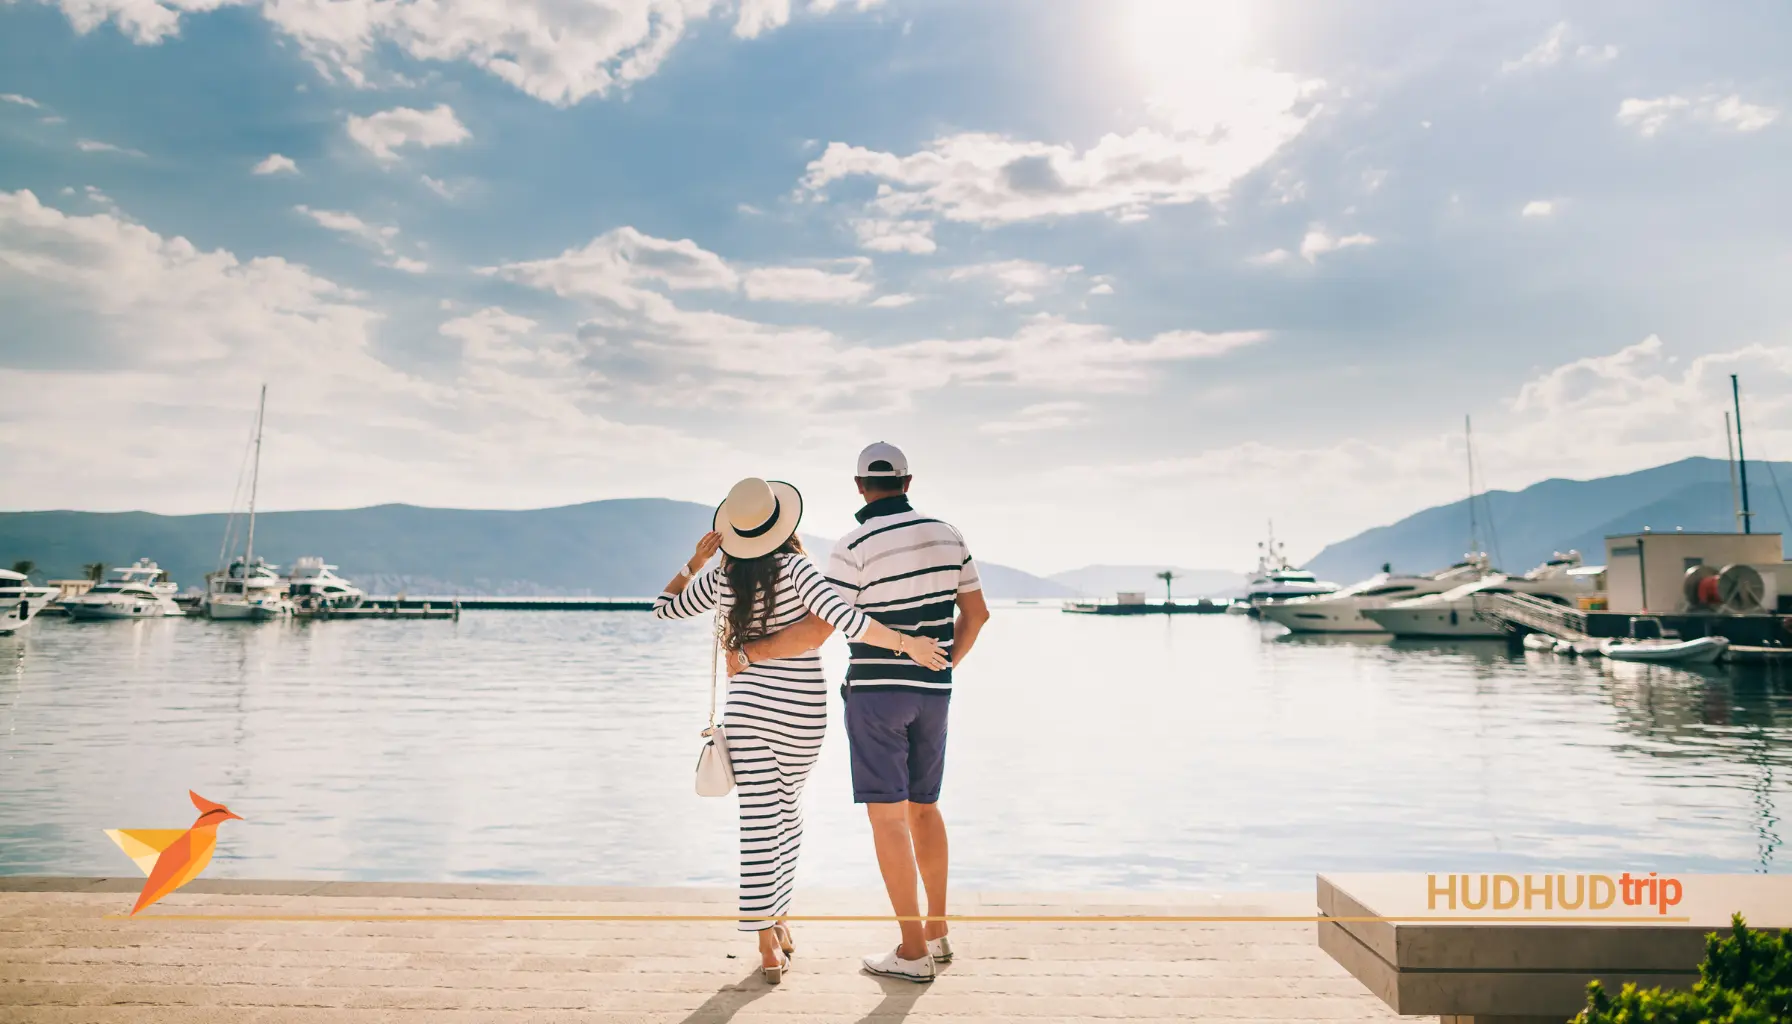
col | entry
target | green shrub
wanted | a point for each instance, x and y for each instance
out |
(1746, 979)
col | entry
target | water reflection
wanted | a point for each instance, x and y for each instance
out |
(1087, 752)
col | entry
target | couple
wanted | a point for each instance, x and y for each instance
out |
(893, 587)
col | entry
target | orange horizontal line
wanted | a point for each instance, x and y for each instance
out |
(985, 918)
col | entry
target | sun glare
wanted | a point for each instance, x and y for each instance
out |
(1174, 43)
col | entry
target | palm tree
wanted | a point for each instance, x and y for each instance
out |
(1167, 575)
(95, 571)
(24, 566)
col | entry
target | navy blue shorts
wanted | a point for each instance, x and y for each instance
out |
(898, 740)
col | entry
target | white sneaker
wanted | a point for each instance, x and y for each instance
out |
(889, 965)
(940, 949)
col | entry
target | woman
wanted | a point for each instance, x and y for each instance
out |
(776, 710)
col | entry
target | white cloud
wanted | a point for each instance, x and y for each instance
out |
(809, 284)
(1650, 116)
(408, 265)
(559, 51)
(274, 163)
(612, 267)
(1552, 49)
(988, 179)
(1318, 242)
(1215, 119)
(189, 334)
(884, 235)
(23, 101)
(1744, 117)
(437, 186)
(758, 16)
(1270, 258)
(1544, 54)
(1538, 208)
(380, 236)
(1020, 281)
(1039, 416)
(895, 300)
(383, 133)
(732, 359)
(1103, 288)
(95, 146)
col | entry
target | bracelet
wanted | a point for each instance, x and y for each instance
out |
(685, 572)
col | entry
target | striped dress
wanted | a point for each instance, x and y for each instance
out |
(775, 717)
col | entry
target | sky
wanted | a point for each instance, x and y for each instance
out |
(1126, 279)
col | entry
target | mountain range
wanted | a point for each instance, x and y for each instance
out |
(628, 547)
(618, 548)
(1520, 529)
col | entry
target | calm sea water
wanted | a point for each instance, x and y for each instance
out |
(1086, 753)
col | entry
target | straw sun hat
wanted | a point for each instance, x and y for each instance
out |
(757, 517)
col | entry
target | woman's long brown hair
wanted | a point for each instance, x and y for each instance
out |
(753, 582)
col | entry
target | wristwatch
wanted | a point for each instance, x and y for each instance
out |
(740, 656)
(685, 571)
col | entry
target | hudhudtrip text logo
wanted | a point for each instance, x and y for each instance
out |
(1550, 892)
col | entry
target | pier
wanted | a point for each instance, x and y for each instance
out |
(1199, 607)
(281, 952)
(517, 604)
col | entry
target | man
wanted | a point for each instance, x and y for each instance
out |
(915, 575)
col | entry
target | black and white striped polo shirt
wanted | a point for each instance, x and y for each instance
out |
(906, 571)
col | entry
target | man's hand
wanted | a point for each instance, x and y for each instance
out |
(801, 638)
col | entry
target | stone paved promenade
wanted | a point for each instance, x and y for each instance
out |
(63, 959)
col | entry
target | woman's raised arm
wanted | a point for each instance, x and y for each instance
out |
(693, 591)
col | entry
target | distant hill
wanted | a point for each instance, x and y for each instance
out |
(1108, 580)
(1522, 528)
(625, 547)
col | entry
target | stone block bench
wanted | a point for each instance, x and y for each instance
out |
(1470, 950)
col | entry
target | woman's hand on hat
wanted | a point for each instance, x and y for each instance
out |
(925, 651)
(706, 547)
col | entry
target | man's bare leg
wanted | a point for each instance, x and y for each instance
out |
(927, 830)
(896, 859)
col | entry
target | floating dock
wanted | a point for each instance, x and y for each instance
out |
(1753, 638)
(517, 604)
(1200, 607)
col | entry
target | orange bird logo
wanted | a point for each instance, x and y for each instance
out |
(172, 857)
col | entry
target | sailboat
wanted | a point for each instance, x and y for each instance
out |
(248, 589)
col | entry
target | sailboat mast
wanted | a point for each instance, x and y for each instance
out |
(1730, 458)
(255, 480)
(1741, 459)
(1474, 523)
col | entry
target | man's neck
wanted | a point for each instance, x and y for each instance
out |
(885, 505)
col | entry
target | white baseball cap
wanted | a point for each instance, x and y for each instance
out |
(883, 459)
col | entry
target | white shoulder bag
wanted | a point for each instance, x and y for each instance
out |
(715, 772)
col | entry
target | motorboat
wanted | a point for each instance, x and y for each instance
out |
(1701, 650)
(1649, 642)
(20, 601)
(247, 591)
(1276, 579)
(315, 585)
(1344, 610)
(140, 591)
(1455, 613)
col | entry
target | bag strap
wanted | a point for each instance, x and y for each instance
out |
(715, 644)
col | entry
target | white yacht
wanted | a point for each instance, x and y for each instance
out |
(1453, 613)
(20, 601)
(249, 589)
(1277, 580)
(246, 591)
(1346, 610)
(316, 585)
(141, 591)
